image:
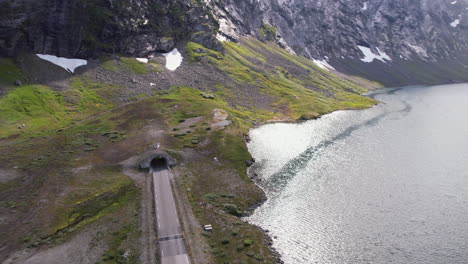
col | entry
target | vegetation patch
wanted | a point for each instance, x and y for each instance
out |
(267, 32)
(134, 66)
(33, 108)
(9, 72)
(109, 64)
(197, 52)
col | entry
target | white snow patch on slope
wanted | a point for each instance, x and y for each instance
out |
(455, 23)
(454, 2)
(142, 60)
(323, 64)
(68, 64)
(173, 59)
(364, 8)
(369, 56)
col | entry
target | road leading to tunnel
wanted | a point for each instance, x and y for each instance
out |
(171, 240)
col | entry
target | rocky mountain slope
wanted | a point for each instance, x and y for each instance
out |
(413, 42)
(412, 36)
(71, 190)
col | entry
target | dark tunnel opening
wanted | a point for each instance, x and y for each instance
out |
(159, 164)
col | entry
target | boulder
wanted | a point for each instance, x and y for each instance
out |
(207, 96)
(309, 116)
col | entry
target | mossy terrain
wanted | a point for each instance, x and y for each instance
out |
(9, 72)
(302, 89)
(267, 32)
(134, 66)
(69, 151)
(39, 108)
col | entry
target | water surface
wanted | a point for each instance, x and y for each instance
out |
(383, 185)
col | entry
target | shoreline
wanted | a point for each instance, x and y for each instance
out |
(271, 218)
(254, 176)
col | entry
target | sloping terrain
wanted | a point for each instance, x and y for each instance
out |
(413, 41)
(71, 189)
(422, 41)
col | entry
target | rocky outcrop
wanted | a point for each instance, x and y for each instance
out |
(325, 28)
(86, 28)
(389, 41)
(407, 34)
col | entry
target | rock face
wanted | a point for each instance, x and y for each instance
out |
(408, 33)
(325, 28)
(384, 40)
(85, 28)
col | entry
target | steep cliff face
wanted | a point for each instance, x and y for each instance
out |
(385, 40)
(382, 40)
(324, 28)
(86, 28)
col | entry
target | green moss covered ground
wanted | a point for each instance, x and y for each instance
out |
(302, 89)
(9, 72)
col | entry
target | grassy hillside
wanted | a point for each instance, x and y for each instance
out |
(63, 143)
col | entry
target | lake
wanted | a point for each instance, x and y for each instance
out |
(382, 185)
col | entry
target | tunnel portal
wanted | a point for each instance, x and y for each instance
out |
(158, 164)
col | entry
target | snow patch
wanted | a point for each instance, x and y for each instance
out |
(323, 64)
(369, 56)
(364, 8)
(173, 59)
(142, 60)
(68, 64)
(455, 23)
(152, 84)
(454, 2)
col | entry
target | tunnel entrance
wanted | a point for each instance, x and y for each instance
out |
(159, 164)
(157, 160)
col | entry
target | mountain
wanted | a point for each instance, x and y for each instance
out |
(423, 41)
(74, 133)
(413, 42)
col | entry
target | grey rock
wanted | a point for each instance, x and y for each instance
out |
(334, 28)
(207, 96)
(73, 28)
(249, 163)
(413, 33)
(207, 40)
